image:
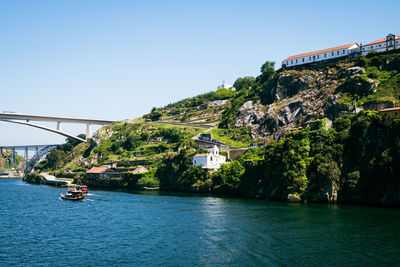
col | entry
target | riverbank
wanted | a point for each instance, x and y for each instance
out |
(11, 175)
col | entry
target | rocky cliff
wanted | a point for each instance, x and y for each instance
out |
(296, 98)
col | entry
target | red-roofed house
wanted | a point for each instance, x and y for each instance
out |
(212, 160)
(97, 172)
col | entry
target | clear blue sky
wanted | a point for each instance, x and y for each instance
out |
(118, 59)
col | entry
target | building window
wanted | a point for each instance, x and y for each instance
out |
(333, 54)
(303, 59)
(291, 61)
(325, 55)
(296, 60)
(337, 52)
(309, 58)
(317, 56)
(379, 45)
(313, 57)
(344, 52)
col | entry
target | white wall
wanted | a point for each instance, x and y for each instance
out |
(206, 161)
(321, 56)
(380, 47)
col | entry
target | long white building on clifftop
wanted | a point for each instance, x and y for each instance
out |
(389, 43)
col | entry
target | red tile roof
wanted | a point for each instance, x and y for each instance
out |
(321, 51)
(381, 41)
(389, 109)
(99, 169)
(140, 169)
(200, 155)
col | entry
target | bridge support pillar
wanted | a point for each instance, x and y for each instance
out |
(88, 132)
(14, 160)
(26, 157)
(59, 126)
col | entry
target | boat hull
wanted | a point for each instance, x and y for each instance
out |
(72, 198)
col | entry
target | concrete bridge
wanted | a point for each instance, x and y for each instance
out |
(39, 152)
(26, 119)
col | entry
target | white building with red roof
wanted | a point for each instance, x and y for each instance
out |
(212, 160)
(389, 43)
(320, 55)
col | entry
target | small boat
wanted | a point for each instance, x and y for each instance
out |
(82, 188)
(73, 194)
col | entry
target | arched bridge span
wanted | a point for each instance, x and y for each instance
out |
(26, 119)
(39, 152)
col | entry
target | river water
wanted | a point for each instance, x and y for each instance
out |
(153, 229)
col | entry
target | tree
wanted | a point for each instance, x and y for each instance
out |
(268, 68)
(131, 142)
(229, 176)
(155, 116)
(244, 83)
(194, 178)
(56, 159)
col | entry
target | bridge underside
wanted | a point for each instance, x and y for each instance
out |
(46, 129)
(26, 119)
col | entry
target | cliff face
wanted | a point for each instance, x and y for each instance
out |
(296, 98)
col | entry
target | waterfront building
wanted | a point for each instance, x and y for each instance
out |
(97, 172)
(212, 160)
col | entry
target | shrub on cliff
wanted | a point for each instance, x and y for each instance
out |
(33, 178)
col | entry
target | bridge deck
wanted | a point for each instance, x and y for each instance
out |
(28, 117)
(27, 146)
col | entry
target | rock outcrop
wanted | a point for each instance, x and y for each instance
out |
(296, 98)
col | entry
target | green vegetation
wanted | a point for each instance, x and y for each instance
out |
(236, 137)
(33, 178)
(355, 160)
(383, 68)
(58, 157)
(6, 160)
(244, 83)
